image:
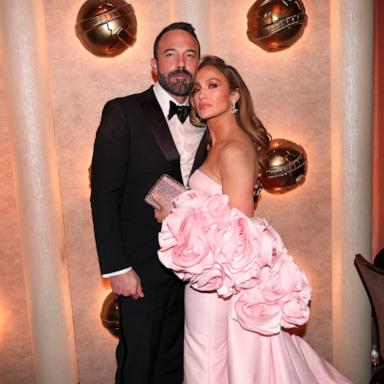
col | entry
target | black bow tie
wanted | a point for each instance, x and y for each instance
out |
(182, 111)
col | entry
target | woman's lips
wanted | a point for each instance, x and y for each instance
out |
(204, 106)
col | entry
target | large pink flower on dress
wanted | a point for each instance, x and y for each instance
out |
(192, 198)
(284, 278)
(218, 248)
(209, 280)
(239, 253)
(256, 314)
(190, 232)
(240, 245)
(294, 307)
(282, 295)
(186, 249)
(218, 216)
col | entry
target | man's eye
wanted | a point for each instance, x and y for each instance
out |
(191, 55)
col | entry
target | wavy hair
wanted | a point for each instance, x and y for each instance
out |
(246, 116)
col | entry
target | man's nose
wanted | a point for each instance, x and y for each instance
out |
(180, 62)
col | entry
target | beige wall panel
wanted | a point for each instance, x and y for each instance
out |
(15, 337)
(26, 81)
(351, 119)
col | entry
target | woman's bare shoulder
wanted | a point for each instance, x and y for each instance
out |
(238, 150)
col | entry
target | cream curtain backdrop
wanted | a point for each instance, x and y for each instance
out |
(37, 191)
(351, 127)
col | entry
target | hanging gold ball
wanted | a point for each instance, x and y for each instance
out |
(286, 166)
(106, 27)
(276, 24)
(110, 314)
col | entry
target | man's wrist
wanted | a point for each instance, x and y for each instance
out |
(116, 273)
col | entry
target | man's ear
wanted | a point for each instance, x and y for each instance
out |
(154, 66)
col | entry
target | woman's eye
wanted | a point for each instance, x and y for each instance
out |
(195, 90)
(212, 85)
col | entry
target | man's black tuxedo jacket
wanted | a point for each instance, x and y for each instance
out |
(133, 147)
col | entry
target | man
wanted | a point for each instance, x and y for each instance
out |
(139, 138)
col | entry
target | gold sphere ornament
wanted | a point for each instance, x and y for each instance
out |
(110, 314)
(286, 166)
(106, 27)
(276, 24)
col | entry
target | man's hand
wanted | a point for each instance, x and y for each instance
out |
(164, 210)
(127, 284)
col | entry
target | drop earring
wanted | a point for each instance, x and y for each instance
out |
(234, 110)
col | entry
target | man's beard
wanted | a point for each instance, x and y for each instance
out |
(177, 87)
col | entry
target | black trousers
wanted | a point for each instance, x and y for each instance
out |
(150, 349)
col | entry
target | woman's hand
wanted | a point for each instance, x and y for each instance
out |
(164, 210)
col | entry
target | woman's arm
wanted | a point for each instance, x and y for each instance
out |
(238, 167)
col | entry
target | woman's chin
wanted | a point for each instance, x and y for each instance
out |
(209, 115)
(205, 115)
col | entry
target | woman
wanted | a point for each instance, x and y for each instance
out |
(243, 286)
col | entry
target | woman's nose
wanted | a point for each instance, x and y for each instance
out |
(202, 94)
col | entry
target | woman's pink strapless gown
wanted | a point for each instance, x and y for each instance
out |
(217, 350)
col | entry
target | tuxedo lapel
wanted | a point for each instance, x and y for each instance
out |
(201, 152)
(156, 122)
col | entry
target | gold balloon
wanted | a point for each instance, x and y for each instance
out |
(110, 314)
(106, 27)
(286, 166)
(276, 24)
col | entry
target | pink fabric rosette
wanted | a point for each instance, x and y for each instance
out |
(282, 296)
(272, 247)
(255, 313)
(182, 239)
(218, 216)
(218, 248)
(241, 243)
(189, 235)
(209, 280)
(295, 311)
(192, 198)
(294, 307)
(218, 209)
(238, 254)
(284, 278)
(289, 286)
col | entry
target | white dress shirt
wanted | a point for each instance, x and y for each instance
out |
(186, 137)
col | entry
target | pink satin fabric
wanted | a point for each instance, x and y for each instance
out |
(244, 290)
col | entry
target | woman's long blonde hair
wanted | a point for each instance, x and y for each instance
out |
(246, 117)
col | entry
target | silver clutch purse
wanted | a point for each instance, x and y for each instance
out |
(165, 187)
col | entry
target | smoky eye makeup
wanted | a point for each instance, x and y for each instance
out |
(195, 89)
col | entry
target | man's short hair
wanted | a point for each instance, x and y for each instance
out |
(187, 27)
